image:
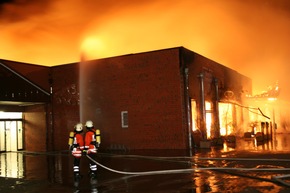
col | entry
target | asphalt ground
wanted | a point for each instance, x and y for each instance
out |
(253, 168)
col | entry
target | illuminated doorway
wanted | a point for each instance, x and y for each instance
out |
(209, 112)
(208, 118)
(226, 111)
(11, 132)
(193, 116)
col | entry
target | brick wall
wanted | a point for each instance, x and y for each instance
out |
(35, 128)
(65, 103)
(150, 86)
(147, 85)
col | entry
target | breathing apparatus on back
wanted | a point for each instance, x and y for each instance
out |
(78, 128)
(97, 133)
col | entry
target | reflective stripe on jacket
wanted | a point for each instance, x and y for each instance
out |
(78, 145)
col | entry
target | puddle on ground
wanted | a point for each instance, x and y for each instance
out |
(27, 172)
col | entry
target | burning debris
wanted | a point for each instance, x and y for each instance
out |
(271, 93)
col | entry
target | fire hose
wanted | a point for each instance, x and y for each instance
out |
(189, 170)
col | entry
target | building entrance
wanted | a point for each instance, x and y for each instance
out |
(11, 135)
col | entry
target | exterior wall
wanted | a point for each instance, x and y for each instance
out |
(148, 86)
(65, 103)
(35, 128)
(227, 80)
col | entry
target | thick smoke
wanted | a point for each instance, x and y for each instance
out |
(251, 37)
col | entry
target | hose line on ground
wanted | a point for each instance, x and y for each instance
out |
(274, 178)
(201, 158)
(279, 179)
(186, 170)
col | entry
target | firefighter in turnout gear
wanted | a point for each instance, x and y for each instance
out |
(76, 145)
(92, 143)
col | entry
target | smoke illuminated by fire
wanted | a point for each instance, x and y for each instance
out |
(251, 37)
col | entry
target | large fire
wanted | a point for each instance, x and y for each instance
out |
(251, 37)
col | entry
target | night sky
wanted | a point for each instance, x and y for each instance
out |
(249, 36)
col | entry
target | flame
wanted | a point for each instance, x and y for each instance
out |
(251, 37)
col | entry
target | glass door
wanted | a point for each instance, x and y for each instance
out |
(11, 135)
(19, 135)
(2, 136)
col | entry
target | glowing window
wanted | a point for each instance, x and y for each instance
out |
(208, 109)
(193, 115)
(226, 118)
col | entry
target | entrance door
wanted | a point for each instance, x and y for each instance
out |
(11, 135)
(2, 136)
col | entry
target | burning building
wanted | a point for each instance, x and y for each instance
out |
(150, 100)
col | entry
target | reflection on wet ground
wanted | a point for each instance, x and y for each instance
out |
(30, 172)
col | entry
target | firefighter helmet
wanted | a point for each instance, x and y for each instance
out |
(89, 124)
(79, 127)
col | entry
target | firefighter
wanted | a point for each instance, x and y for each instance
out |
(92, 143)
(76, 143)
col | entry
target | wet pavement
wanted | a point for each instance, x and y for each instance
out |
(246, 166)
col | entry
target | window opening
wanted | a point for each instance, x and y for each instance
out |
(2, 136)
(226, 118)
(208, 118)
(193, 115)
(124, 119)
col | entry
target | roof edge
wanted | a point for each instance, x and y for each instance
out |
(25, 79)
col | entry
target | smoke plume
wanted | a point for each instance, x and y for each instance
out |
(251, 37)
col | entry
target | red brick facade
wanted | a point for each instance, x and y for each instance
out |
(35, 128)
(65, 103)
(149, 86)
(153, 87)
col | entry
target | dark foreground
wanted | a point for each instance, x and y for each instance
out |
(244, 167)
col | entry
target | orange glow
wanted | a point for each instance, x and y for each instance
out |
(223, 131)
(251, 37)
(226, 118)
(208, 108)
(92, 46)
(193, 115)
